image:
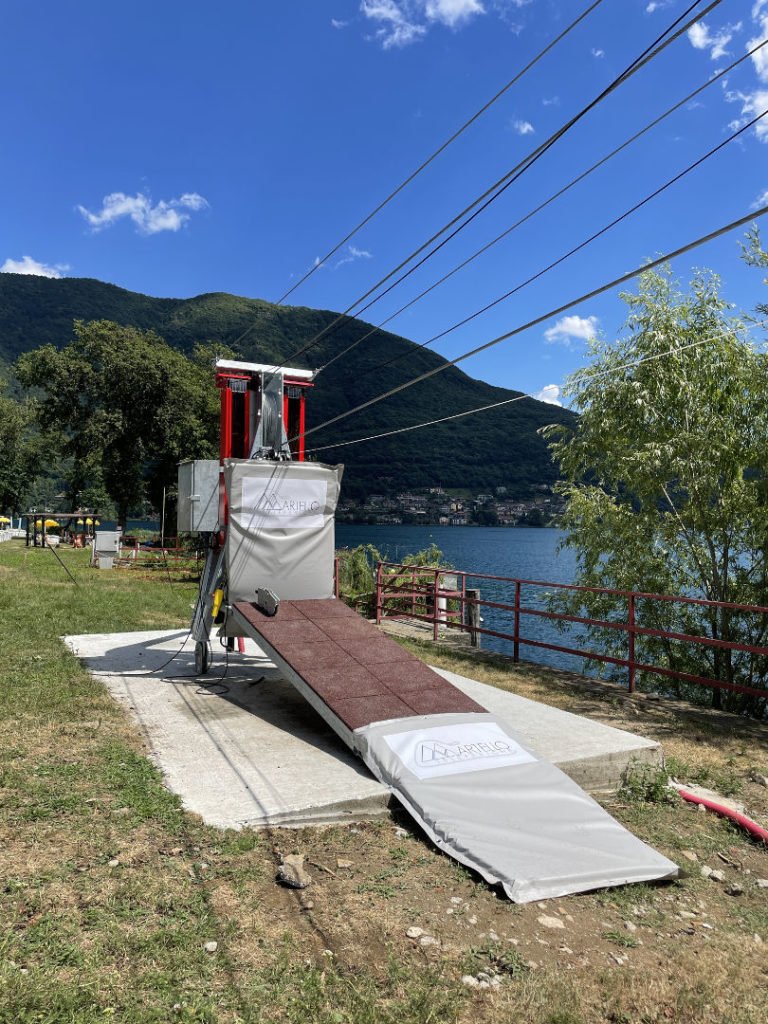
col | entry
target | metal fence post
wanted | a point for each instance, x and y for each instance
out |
(378, 593)
(516, 637)
(473, 617)
(631, 624)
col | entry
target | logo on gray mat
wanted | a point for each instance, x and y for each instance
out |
(432, 753)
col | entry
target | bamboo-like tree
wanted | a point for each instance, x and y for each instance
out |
(666, 485)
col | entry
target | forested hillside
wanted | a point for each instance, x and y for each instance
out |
(500, 447)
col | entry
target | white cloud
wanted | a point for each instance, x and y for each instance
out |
(549, 394)
(523, 127)
(402, 22)
(570, 328)
(762, 200)
(554, 101)
(701, 38)
(752, 104)
(760, 59)
(149, 219)
(452, 12)
(26, 265)
(658, 5)
(397, 27)
(339, 24)
(352, 255)
(598, 53)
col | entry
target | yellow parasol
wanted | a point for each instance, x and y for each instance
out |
(4, 519)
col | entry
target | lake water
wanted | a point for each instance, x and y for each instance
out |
(524, 553)
(521, 553)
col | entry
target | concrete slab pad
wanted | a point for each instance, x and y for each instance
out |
(594, 755)
(241, 747)
(247, 750)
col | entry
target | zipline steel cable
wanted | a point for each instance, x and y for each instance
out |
(499, 187)
(459, 131)
(414, 174)
(527, 217)
(587, 241)
(519, 398)
(760, 212)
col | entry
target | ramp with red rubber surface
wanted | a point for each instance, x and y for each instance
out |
(350, 672)
(463, 774)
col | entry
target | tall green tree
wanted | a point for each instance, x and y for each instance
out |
(124, 407)
(666, 487)
(20, 451)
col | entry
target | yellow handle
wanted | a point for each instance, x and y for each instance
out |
(218, 597)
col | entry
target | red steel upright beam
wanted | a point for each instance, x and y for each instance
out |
(631, 634)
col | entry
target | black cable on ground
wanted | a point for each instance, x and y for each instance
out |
(66, 570)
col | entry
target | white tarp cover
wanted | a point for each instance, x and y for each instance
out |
(281, 528)
(485, 799)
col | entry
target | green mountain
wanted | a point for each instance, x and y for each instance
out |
(499, 447)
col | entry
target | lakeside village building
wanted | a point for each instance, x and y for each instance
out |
(436, 508)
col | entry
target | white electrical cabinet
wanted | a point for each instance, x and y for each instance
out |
(198, 507)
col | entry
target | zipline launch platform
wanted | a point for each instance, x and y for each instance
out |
(468, 779)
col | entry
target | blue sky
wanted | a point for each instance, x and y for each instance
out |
(176, 149)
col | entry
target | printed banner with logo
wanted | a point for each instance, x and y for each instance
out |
(281, 528)
(455, 749)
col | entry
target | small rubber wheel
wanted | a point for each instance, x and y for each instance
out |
(202, 658)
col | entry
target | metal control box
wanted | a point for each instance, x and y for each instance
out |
(198, 507)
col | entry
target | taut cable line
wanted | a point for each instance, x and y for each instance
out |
(588, 241)
(519, 398)
(499, 187)
(711, 236)
(516, 78)
(527, 217)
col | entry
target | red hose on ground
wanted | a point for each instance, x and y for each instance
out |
(746, 823)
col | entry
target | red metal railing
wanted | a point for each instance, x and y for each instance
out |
(418, 586)
(173, 556)
(415, 592)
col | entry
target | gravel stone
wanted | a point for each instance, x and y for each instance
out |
(293, 873)
(550, 922)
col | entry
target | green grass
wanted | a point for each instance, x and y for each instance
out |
(81, 942)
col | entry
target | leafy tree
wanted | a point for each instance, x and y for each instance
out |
(124, 407)
(20, 451)
(485, 515)
(665, 484)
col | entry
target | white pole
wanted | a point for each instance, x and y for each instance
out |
(162, 524)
